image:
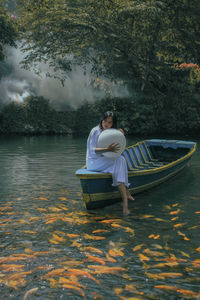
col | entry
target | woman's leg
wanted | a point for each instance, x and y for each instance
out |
(123, 191)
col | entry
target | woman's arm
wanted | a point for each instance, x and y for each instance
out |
(114, 147)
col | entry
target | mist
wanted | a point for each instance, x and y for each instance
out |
(80, 84)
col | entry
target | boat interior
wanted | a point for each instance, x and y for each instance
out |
(151, 154)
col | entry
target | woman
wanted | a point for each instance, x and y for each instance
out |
(95, 161)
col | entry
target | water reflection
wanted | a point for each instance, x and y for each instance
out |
(53, 248)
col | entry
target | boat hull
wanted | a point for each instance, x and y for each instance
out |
(97, 189)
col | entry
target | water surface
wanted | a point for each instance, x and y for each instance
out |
(50, 243)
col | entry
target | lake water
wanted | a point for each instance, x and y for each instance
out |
(51, 247)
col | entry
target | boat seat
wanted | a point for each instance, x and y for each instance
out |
(134, 160)
(140, 158)
(130, 165)
(148, 155)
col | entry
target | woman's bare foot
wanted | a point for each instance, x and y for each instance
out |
(126, 211)
(131, 198)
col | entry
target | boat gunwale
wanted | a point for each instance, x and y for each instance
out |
(141, 172)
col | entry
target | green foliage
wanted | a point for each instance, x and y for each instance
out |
(13, 118)
(8, 31)
(34, 116)
(139, 116)
(137, 40)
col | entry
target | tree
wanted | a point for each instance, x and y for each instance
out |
(8, 31)
(137, 39)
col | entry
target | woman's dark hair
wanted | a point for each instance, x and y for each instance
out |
(109, 114)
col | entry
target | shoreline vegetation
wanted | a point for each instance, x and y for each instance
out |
(140, 116)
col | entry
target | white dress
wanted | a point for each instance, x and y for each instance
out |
(97, 162)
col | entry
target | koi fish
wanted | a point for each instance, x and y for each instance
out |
(110, 221)
(68, 281)
(11, 267)
(166, 287)
(175, 212)
(153, 236)
(55, 272)
(138, 247)
(143, 257)
(109, 258)
(154, 253)
(96, 259)
(105, 269)
(99, 230)
(72, 235)
(72, 287)
(58, 238)
(92, 249)
(178, 225)
(91, 237)
(84, 273)
(116, 252)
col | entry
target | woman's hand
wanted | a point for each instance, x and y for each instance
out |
(114, 147)
(121, 130)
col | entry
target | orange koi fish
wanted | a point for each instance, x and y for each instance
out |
(19, 275)
(143, 257)
(175, 212)
(173, 258)
(138, 247)
(154, 253)
(53, 241)
(62, 198)
(110, 221)
(109, 258)
(91, 237)
(188, 292)
(42, 198)
(42, 209)
(16, 258)
(116, 252)
(96, 259)
(170, 274)
(68, 281)
(99, 230)
(153, 236)
(72, 287)
(174, 219)
(146, 216)
(196, 262)
(11, 267)
(15, 284)
(72, 235)
(92, 249)
(166, 287)
(56, 272)
(83, 273)
(63, 207)
(106, 270)
(75, 244)
(178, 225)
(58, 238)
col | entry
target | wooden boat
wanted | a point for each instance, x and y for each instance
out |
(149, 162)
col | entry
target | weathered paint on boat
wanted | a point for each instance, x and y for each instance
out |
(149, 162)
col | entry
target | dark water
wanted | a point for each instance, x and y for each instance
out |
(50, 243)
